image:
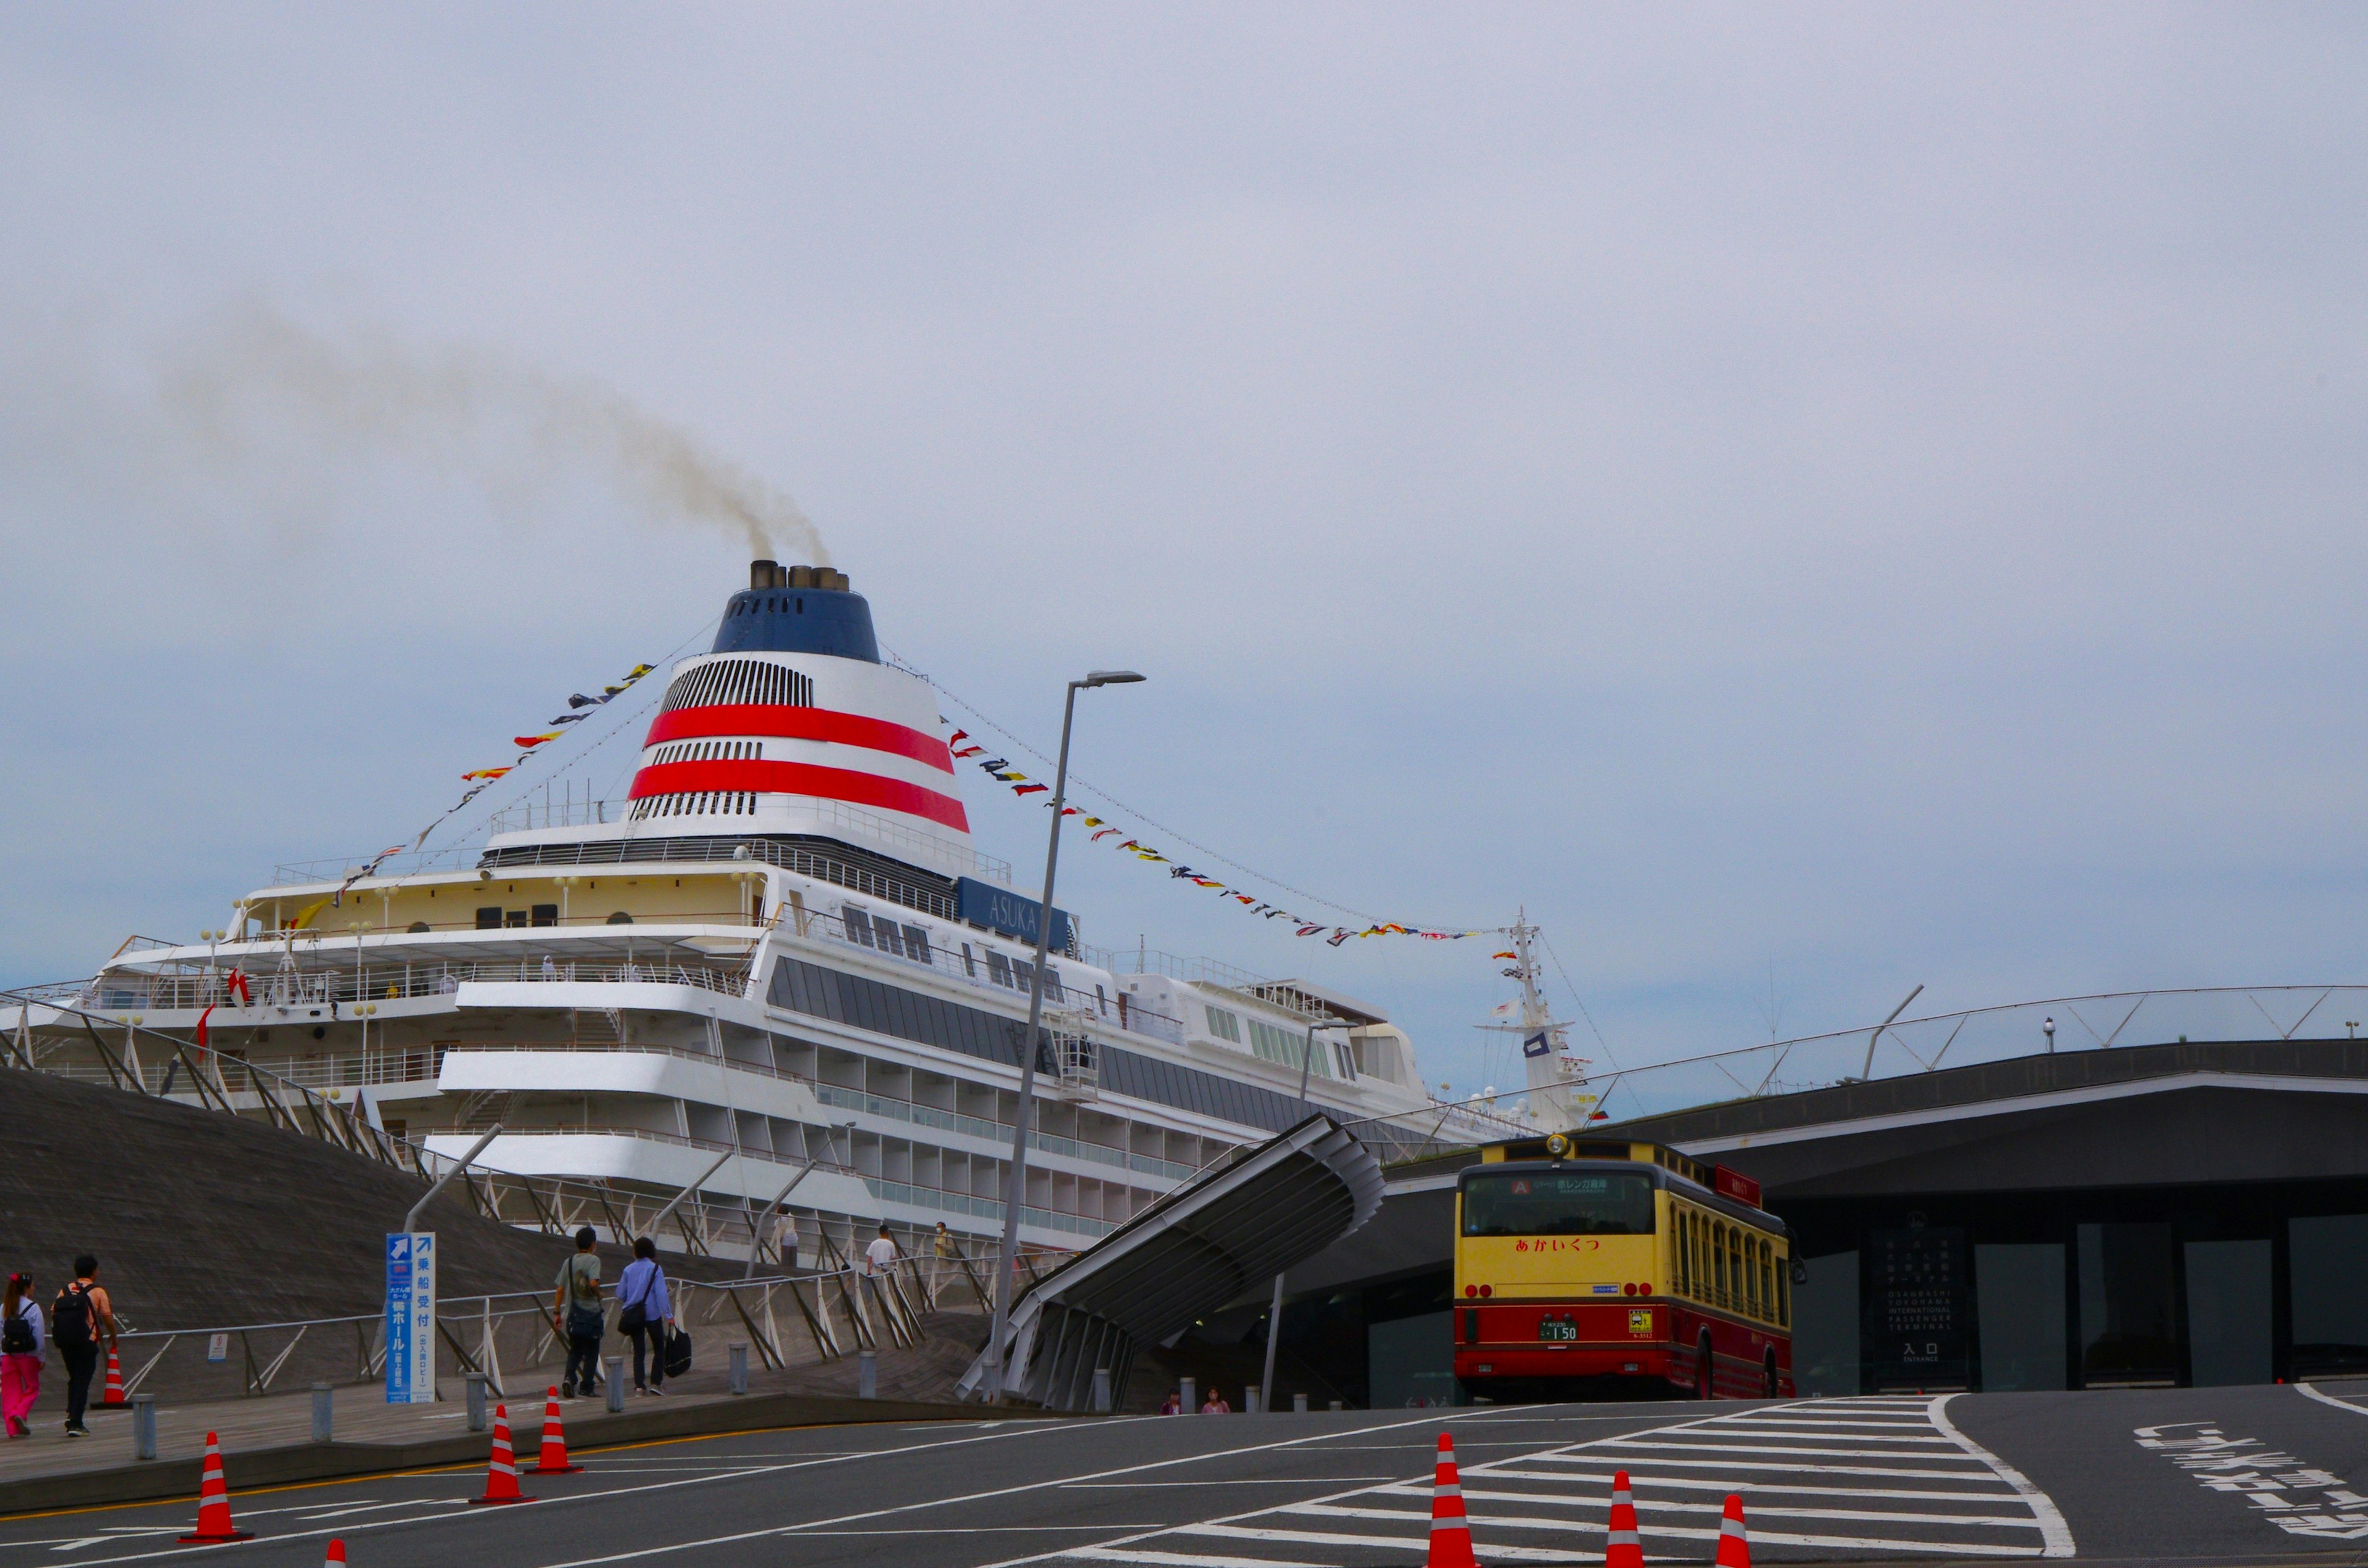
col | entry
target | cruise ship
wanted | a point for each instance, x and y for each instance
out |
(781, 954)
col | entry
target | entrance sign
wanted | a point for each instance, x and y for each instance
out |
(410, 1317)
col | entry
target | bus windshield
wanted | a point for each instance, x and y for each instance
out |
(1558, 1203)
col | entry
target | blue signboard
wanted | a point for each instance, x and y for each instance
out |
(1001, 909)
(410, 1317)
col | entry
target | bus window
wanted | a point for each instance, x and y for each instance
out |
(1718, 1262)
(1767, 1282)
(1558, 1203)
(1684, 1226)
(1783, 1297)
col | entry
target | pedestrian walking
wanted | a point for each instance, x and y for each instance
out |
(21, 1342)
(576, 1313)
(1174, 1404)
(80, 1319)
(881, 1255)
(645, 1314)
(948, 1252)
(879, 1261)
(785, 1239)
(1215, 1403)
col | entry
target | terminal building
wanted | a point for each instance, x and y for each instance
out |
(2145, 1216)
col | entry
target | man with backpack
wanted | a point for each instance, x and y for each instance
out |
(77, 1319)
(576, 1313)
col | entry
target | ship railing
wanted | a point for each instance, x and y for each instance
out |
(977, 972)
(336, 869)
(118, 993)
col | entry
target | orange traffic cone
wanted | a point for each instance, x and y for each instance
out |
(1450, 1533)
(214, 1502)
(554, 1460)
(1623, 1549)
(1734, 1540)
(336, 1557)
(501, 1475)
(113, 1398)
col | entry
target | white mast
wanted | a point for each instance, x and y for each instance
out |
(1557, 1080)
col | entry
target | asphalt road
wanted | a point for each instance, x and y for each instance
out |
(2256, 1475)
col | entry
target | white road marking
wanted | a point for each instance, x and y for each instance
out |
(1996, 1511)
(2307, 1392)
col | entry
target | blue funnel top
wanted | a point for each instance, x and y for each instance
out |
(798, 620)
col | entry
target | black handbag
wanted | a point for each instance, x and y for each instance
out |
(678, 1354)
(635, 1315)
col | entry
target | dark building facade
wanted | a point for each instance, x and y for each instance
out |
(2179, 1214)
(2175, 1215)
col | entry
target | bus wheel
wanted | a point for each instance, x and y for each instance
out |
(1702, 1369)
(1768, 1376)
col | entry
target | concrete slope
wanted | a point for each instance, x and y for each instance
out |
(204, 1219)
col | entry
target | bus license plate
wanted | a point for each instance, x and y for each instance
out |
(1552, 1328)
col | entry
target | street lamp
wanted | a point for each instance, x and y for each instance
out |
(1274, 1312)
(1016, 1189)
(2047, 1026)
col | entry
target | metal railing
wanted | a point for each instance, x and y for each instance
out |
(796, 1317)
(321, 984)
(2100, 1021)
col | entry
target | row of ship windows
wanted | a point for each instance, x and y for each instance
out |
(891, 1010)
(869, 930)
(708, 751)
(700, 803)
(1328, 1059)
(737, 681)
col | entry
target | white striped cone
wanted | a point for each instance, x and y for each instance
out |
(552, 1461)
(213, 1501)
(1450, 1531)
(1734, 1540)
(501, 1475)
(1623, 1549)
(336, 1557)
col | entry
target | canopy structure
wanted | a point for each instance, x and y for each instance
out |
(1202, 1245)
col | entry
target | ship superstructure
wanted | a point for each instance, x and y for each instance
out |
(780, 947)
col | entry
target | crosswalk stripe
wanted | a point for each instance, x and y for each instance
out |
(1801, 1469)
(1183, 1560)
(1675, 1532)
(1686, 1482)
(1955, 1457)
(1345, 1511)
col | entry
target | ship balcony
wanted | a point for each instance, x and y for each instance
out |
(673, 1161)
(677, 1073)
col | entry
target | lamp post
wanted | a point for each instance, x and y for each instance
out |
(1274, 1312)
(1016, 1189)
(2047, 1027)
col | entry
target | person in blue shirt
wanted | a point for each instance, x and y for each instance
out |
(645, 1314)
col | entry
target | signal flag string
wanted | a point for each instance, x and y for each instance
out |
(966, 748)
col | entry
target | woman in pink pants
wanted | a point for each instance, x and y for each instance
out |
(21, 1355)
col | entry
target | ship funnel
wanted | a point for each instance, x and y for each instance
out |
(761, 574)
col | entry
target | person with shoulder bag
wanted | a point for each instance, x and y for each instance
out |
(20, 1355)
(576, 1313)
(645, 1314)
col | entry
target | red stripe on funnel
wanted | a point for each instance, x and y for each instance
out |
(801, 724)
(801, 778)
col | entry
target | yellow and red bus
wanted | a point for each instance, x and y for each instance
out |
(1578, 1261)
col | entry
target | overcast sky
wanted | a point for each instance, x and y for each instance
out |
(1805, 501)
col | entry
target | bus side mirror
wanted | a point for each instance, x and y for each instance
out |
(1800, 1272)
